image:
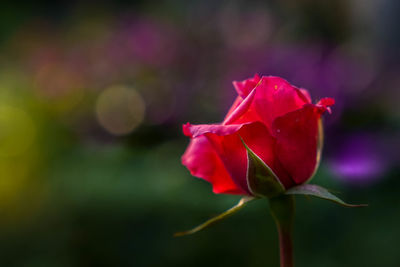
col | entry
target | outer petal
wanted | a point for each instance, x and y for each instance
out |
(325, 103)
(306, 94)
(297, 141)
(226, 141)
(243, 88)
(235, 104)
(244, 112)
(272, 97)
(218, 129)
(203, 162)
(277, 97)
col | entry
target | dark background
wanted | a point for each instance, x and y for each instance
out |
(93, 96)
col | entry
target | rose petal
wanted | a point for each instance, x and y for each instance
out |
(277, 97)
(325, 103)
(243, 88)
(306, 95)
(297, 140)
(235, 104)
(243, 112)
(218, 129)
(259, 139)
(271, 98)
(233, 153)
(203, 162)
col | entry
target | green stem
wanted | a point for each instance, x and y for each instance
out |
(282, 209)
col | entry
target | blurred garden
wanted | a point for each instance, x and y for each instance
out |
(93, 96)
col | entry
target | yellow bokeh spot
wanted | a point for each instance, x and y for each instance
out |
(120, 110)
(17, 131)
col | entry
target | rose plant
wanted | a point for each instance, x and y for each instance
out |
(268, 146)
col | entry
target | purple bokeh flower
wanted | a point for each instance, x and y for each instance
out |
(359, 160)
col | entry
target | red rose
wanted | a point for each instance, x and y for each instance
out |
(275, 119)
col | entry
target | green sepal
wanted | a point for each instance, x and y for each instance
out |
(320, 192)
(218, 218)
(261, 180)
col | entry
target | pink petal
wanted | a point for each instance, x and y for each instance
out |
(297, 138)
(235, 104)
(203, 162)
(234, 156)
(243, 112)
(271, 98)
(277, 97)
(306, 95)
(325, 103)
(218, 129)
(243, 88)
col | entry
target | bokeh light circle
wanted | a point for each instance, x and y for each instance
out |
(119, 110)
(17, 131)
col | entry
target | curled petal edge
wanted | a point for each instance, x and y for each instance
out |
(194, 131)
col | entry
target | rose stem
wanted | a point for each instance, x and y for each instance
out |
(282, 209)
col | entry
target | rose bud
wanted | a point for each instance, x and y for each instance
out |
(271, 124)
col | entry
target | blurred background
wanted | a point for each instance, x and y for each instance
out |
(93, 96)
